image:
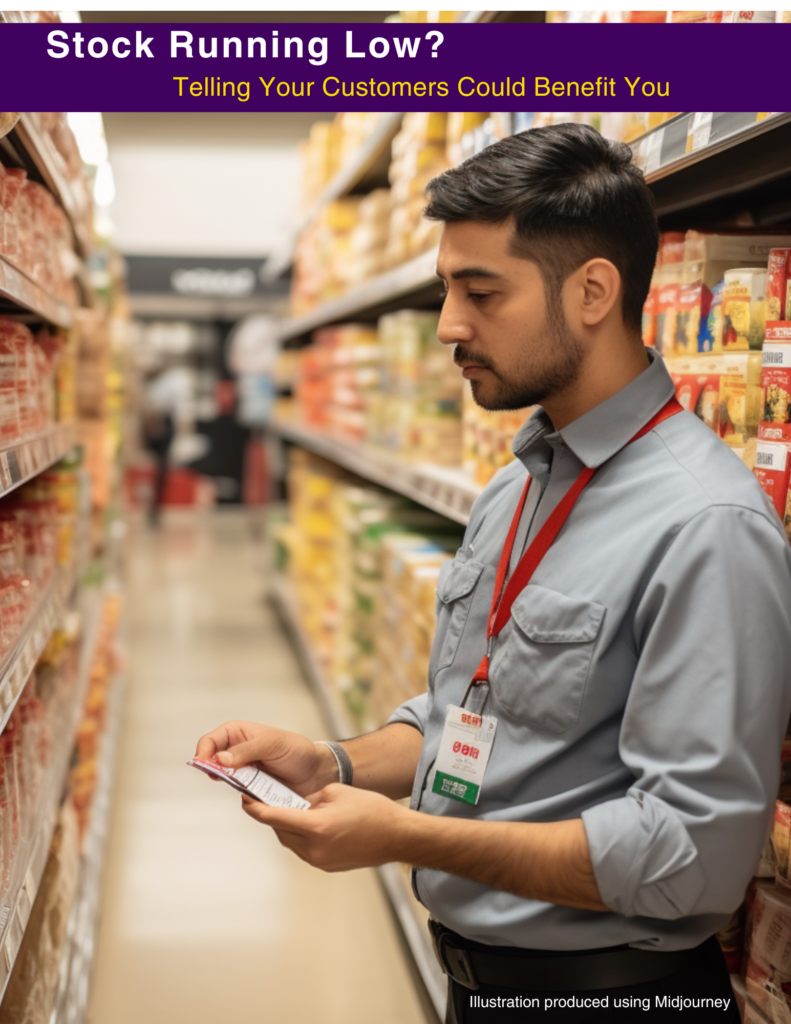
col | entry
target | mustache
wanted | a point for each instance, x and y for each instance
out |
(465, 355)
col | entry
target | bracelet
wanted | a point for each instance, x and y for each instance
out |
(344, 762)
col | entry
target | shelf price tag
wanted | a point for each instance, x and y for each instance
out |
(653, 151)
(699, 132)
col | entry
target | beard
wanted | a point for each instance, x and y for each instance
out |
(557, 368)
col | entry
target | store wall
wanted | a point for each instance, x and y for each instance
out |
(192, 184)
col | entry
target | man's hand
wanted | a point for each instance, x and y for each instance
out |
(302, 765)
(384, 761)
(345, 828)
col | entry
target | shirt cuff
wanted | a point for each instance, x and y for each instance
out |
(414, 712)
(643, 859)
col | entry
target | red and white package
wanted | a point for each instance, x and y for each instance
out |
(776, 384)
(768, 989)
(772, 466)
(770, 928)
(254, 782)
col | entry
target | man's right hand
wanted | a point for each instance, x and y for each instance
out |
(302, 765)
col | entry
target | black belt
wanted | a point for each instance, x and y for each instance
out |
(472, 965)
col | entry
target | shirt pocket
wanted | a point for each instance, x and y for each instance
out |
(542, 658)
(455, 588)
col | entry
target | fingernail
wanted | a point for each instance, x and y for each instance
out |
(225, 758)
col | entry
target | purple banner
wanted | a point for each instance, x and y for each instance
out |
(317, 67)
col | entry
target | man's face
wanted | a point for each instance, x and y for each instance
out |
(513, 349)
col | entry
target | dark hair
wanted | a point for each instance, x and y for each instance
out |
(573, 195)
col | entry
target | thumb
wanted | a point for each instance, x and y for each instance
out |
(242, 754)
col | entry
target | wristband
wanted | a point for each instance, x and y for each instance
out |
(344, 762)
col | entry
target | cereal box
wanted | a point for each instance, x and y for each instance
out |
(776, 385)
(744, 310)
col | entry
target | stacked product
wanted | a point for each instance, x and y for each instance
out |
(419, 414)
(103, 672)
(773, 451)
(337, 376)
(755, 939)
(322, 255)
(707, 314)
(312, 554)
(36, 236)
(35, 737)
(360, 561)
(30, 381)
(407, 621)
(330, 145)
(419, 154)
(368, 243)
(488, 438)
(38, 971)
(94, 352)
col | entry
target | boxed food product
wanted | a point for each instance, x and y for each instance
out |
(772, 465)
(741, 397)
(777, 284)
(743, 309)
(698, 387)
(776, 383)
(769, 989)
(769, 927)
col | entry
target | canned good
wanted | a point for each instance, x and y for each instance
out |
(743, 309)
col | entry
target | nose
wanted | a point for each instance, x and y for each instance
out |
(453, 328)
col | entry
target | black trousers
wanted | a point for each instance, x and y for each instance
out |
(706, 978)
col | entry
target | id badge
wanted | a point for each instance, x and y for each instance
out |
(464, 752)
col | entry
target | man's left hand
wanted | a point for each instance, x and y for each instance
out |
(344, 828)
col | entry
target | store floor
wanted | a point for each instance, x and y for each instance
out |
(205, 916)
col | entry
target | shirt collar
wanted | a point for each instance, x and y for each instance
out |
(602, 431)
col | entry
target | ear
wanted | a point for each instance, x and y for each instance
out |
(596, 291)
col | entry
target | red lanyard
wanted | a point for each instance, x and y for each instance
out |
(531, 559)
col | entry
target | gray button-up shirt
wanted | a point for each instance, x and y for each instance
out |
(643, 682)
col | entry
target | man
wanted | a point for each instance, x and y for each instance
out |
(635, 667)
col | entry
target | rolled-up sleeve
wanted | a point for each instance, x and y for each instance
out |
(704, 722)
(413, 712)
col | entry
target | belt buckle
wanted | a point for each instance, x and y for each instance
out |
(454, 962)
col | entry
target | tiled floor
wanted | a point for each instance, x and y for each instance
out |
(206, 917)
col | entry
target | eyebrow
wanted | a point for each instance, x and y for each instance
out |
(465, 272)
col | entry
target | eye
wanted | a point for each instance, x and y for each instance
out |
(479, 296)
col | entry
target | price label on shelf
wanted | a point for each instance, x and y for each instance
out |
(699, 132)
(653, 151)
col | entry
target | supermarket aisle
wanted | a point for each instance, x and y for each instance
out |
(205, 916)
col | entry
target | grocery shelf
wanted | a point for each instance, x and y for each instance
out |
(20, 662)
(71, 1000)
(283, 599)
(26, 459)
(397, 886)
(450, 492)
(416, 280)
(15, 914)
(366, 169)
(393, 876)
(730, 153)
(18, 293)
(36, 149)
